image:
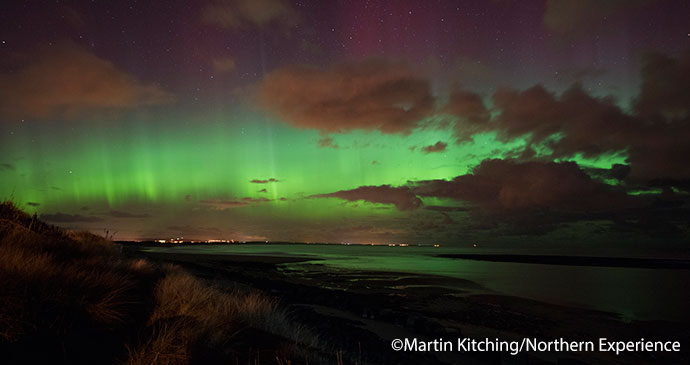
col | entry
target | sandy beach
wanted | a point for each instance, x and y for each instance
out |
(361, 312)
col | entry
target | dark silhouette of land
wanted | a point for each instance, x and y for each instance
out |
(73, 297)
(577, 260)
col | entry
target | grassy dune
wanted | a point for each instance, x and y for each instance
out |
(72, 297)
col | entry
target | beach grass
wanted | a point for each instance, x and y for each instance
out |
(75, 297)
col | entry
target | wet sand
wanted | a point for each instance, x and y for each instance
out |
(361, 312)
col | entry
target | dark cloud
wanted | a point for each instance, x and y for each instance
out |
(664, 161)
(514, 197)
(66, 80)
(679, 184)
(588, 125)
(68, 218)
(443, 208)
(619, 171)
(33, 204)
(327, 142)
(223, 204)
(259, 181)
(433, 224)
(654, 135)
(120, 214)
(665, 91)
(539, 194)
(236, 14)
(371, 95)
(262, 191)
(506, 185)
(401, 197)
(256, 200)
(616, 172)
(437, 147)
(6, 166)
(511, 197)
(472, 111)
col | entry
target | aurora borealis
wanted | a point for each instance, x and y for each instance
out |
(409, 121)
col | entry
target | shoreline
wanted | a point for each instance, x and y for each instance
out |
(545, 258)
(362, 310)
(528, 277)
(596, 261)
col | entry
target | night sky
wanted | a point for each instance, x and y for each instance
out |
(560, 123)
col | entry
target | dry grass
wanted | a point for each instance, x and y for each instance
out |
(51, 282)
(72, 295)
(191, 313)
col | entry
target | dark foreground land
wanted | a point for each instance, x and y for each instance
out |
(73, 297)
(363, 312)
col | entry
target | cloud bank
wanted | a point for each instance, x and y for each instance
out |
(401, 197)
(66, 80)
(372, 95)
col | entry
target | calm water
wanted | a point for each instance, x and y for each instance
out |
(632, 293)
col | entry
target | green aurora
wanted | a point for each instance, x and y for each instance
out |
(367, 122)
(163, 168)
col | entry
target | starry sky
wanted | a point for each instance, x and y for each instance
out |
(512, 123)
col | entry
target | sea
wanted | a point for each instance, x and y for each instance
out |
(628, 292)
